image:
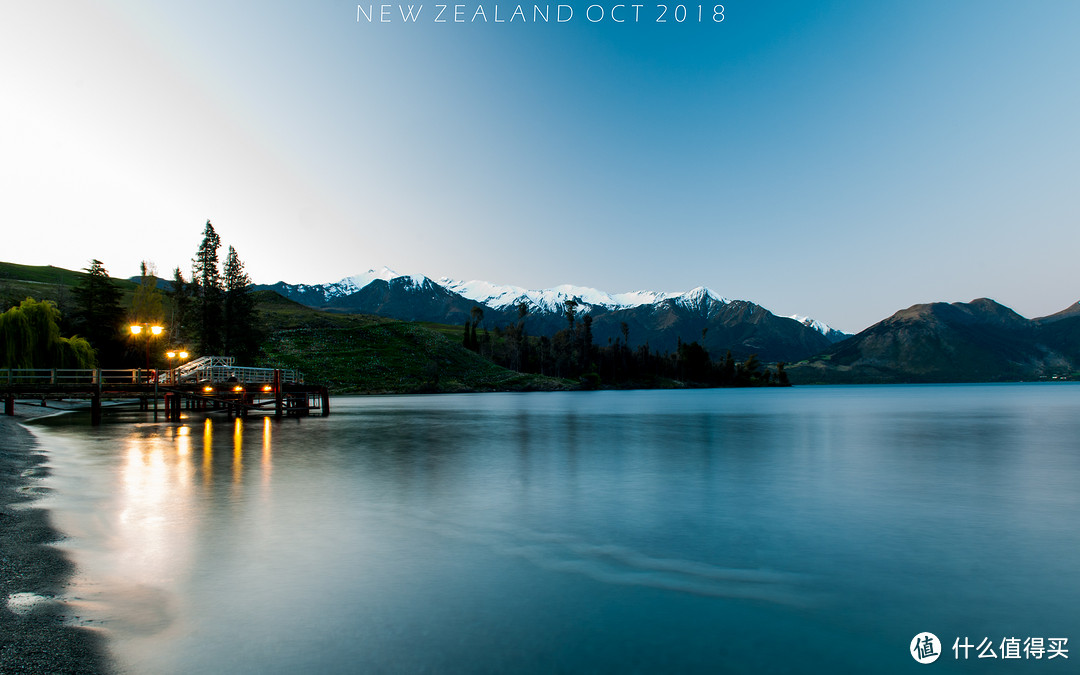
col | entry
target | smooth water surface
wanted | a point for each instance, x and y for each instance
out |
(812, 529)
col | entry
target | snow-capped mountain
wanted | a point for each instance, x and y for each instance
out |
(554, 299)
(344, 288)
(357, 281)
(825, 329)
(653, 318)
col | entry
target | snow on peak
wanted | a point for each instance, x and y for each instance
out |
(820, 327)
(554, 299)
(696, 296)
(492, 295)
(357, 281)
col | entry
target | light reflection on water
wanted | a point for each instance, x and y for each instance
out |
(592, 531)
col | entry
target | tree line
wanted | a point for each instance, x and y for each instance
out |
(571, 353)
(214, 310)
(212, 314)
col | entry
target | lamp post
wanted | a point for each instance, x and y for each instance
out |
(151, 330)
(175, 354)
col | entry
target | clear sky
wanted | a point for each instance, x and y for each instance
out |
(841, 160)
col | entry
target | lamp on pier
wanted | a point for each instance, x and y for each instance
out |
(152, 330)
(177, 356)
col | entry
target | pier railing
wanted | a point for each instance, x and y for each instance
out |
(197, 384)
(206, 373)
(214, 369)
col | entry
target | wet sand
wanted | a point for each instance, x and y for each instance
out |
(33, 635)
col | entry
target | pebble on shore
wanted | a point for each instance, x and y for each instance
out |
(33, 635)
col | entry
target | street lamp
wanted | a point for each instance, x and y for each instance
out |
(175, 354)
(153, 330)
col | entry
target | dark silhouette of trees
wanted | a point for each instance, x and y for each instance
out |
(182, 320)
(216, 308)
(570, 353)
(241, 334)
(98, 316)
(586, 342)
(781, 376)
(476, 315)
(209, 295)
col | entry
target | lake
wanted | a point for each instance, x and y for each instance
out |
(812, 529)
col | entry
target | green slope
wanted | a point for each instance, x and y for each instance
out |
(353, 353)
(18, 282)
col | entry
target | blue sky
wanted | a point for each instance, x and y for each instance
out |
(836, 159)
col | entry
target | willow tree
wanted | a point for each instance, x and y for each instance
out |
(30, 338)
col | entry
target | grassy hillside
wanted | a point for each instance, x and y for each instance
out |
(363, 353)
(18, 282)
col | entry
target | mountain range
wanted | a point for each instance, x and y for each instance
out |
(980, 340)
(659, 319)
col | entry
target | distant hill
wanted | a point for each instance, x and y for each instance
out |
(1069, 312)
(45, 282)
(979, 341)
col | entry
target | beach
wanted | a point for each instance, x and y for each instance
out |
(34, 637)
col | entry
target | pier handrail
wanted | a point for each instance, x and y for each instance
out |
(213, 371)
(60, 376)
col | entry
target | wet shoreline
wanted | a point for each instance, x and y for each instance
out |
(33, 635)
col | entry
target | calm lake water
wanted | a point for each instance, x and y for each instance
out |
(813, 529)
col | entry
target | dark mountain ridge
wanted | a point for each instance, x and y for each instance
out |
(740, 326)
(978, 341)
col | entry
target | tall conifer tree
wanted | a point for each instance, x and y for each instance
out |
(98, 315)
(209, 293)
(241, 334)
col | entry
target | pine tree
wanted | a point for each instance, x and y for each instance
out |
(209, 293)
(586, 341)
(180, 323)
(477, 316)
(521, 346)
(98, 315)
(781, 375)
(241, 334)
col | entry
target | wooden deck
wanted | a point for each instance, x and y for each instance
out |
(206, 384)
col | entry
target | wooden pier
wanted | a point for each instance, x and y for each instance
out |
(208, 383)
